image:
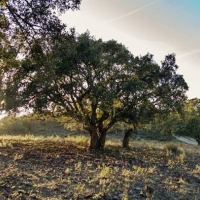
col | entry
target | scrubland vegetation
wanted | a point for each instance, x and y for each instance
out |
(57, 165)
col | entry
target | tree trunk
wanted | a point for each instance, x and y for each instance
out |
(126, 138)
(93, 140)
(198, 139)
(102, 140)
(97, 140)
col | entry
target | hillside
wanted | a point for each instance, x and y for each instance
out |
(36, 167)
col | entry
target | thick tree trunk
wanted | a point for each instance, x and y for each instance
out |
(102, 140)
(127, 138)
(97, 140)
(198, 139)
(94, 140)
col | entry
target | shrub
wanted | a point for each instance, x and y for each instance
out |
(12, 125)
(190, 128)
(172, 148)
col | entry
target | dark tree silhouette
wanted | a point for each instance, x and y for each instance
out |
(96, 83)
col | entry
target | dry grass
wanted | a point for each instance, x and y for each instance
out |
(33, 167)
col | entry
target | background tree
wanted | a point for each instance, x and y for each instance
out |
(189, 123)
(96, 83)
(192, 108)
(190, 128)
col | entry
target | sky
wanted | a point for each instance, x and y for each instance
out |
(158, 27)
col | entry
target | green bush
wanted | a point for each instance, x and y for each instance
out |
(20, 125)
(190, 128)
(35, 125)
(12, 125)
(172, 148)
(154, 134)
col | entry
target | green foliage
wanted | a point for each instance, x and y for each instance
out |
(8, 64)
(119, 127)
(180, 128)
(190, 128)
(172, 148)
(70, 124)
(23, 23)
(12, 125)
(31, 19)
(95, 83)
(186, 122)
(193, 126)
(34, 125)
(93, 79)
(160, 127)
(154, 134)
(192, 108)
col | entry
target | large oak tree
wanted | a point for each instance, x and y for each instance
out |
(96, 83)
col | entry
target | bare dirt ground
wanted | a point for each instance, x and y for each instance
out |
(34, 169)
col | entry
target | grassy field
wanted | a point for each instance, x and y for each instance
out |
(58, 167)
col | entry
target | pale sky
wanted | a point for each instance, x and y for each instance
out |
(159, 27)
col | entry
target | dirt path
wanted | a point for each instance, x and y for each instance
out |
(186, 140)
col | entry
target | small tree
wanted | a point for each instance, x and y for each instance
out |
(96, 83)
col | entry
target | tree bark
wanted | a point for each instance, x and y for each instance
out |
(127, 138)
(102, 140)
(97, 140)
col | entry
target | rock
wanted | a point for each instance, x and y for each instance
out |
(138, 188)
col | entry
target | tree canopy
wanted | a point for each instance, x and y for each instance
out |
(25, 21)
(96, 83)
